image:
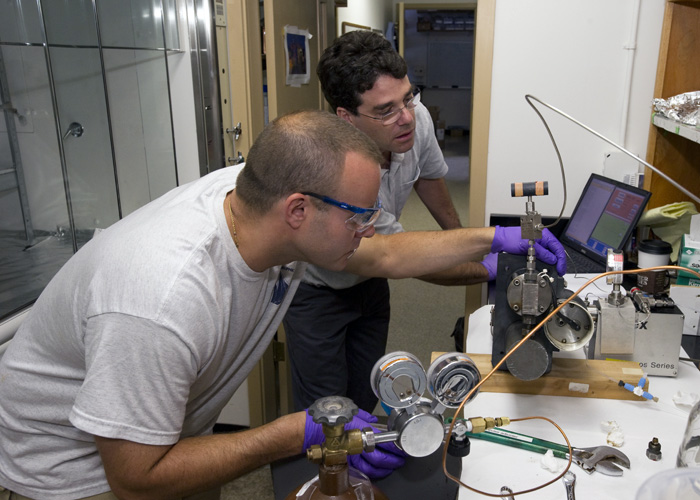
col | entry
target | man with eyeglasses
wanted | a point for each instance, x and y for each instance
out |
(338, 324)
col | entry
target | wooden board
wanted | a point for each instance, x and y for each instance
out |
(580, 378)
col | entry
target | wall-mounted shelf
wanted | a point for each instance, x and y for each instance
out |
(445, 20)
(669, 148)
(690, 133)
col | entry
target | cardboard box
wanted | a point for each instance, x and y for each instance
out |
(434, 113)
(440, 134)
(689, 256)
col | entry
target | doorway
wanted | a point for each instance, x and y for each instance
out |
(86, 135)
(438, 45)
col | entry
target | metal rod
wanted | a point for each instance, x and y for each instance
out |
(600, 136)
(110, 127)
(386, 437)
(57, 119)
(170, 94)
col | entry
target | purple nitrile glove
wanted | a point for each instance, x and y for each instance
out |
(547, 249)
(490, 262)
(385, 458)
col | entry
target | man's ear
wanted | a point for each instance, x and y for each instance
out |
(296, 209)
(345, 115)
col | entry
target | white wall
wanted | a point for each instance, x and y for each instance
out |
(573, 56)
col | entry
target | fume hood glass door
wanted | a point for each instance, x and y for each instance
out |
(138, 24)
(83, 115)
(20, 22)
(32, 195)
(134, 49)
(91, 126)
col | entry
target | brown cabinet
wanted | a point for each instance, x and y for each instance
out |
(676, 154)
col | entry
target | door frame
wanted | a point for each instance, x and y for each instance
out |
(245, 75)
(479, 133)
(269, 389)
(485, 21)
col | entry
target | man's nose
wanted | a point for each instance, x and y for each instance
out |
(406, 116)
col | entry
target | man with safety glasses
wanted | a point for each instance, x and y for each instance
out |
(113, 382)
(338, 323)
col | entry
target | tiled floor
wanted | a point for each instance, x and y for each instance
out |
(256, 485)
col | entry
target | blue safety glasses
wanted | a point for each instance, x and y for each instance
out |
(362, 218)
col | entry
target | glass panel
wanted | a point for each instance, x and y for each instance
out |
(28, 265)
(80, 95)
(70, 22)
(172, 40)
(141, 127)
(19, 22)
(47, 200)
(134, 23)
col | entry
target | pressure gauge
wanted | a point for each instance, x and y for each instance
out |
(398, 379)
(420, 430)
(572, 327)
(450, 378)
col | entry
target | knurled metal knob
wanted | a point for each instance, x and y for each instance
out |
(333, 410)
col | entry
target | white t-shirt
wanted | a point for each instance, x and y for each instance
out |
(143, 335)
(423, 160)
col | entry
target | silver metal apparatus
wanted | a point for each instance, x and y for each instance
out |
(399, 380)
(569, 480)
(415, 424)
(526, 291)
(638, 327)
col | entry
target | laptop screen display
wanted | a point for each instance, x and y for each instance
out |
(605, 216)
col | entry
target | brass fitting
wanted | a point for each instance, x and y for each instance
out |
(480, 424)
(338, 445)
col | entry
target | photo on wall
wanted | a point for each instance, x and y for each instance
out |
(296, 48)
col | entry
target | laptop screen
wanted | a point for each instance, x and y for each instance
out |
(605, 216)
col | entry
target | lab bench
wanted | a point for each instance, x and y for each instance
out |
(491, 466)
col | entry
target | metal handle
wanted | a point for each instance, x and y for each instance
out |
(522, 441)
(236, 161)
(75, 129)
(237, 131)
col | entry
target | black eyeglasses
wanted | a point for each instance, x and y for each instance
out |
(362, 218)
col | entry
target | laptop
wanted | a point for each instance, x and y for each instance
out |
(605, 216)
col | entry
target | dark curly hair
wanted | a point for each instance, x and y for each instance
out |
(352, 64)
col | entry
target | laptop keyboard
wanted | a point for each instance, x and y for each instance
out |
(579, 263)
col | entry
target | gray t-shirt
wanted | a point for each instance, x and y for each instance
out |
(423, 160)
(144, 335)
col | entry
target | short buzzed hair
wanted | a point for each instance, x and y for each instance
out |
(352, 64)
(299, 152)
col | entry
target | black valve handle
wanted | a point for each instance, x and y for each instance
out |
(537, 188)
